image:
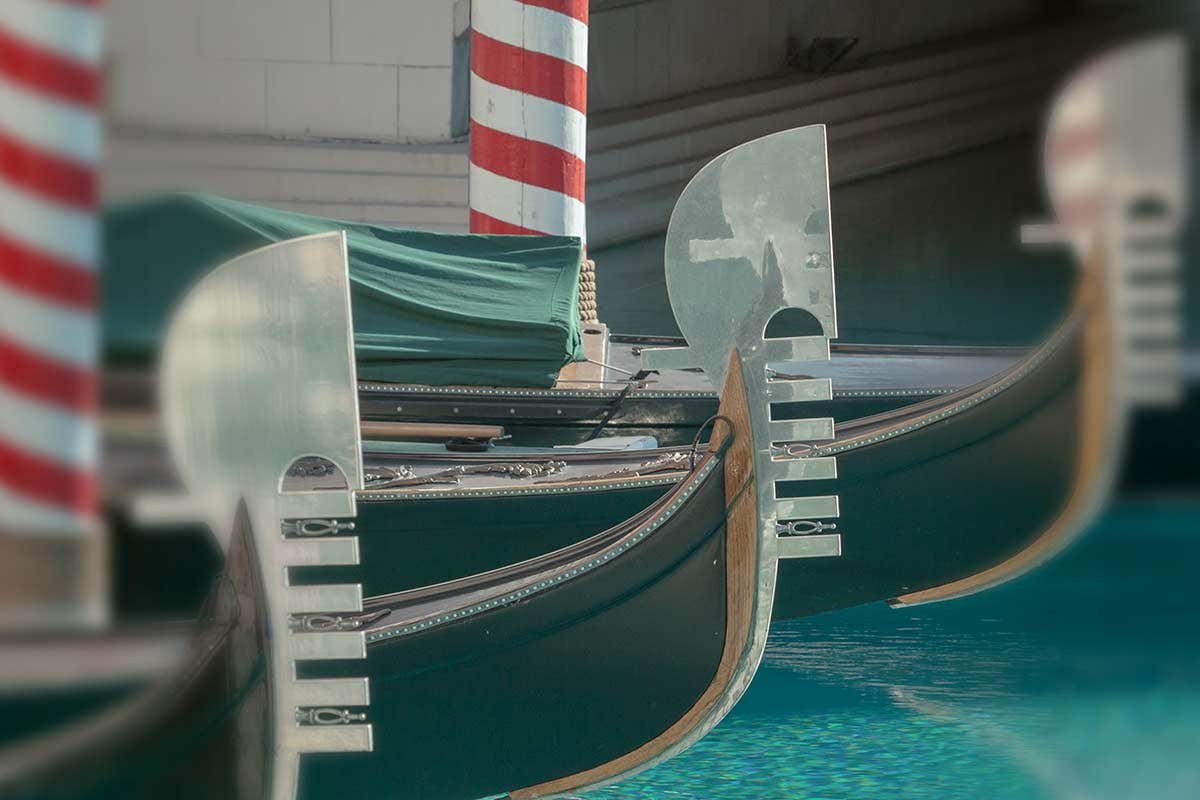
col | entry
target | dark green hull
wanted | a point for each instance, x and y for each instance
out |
(550, 686)
(199, 733)
(536, 689)
(671, 417)
(951, 500)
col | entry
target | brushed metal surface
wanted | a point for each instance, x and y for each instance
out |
(816, 507)
(327, 552)
(258, 371)
(748, 239)
(333, 692)
(333, 597)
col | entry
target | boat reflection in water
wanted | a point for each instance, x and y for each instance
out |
(1080, 681)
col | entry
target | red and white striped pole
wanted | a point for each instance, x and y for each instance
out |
(528, 116)
(50, 142)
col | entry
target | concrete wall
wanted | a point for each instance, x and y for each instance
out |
(380, 70)
(343, 107)
(376, 70)
(647, 50)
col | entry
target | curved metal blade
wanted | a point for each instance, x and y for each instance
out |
(750, 236)
(257, 370)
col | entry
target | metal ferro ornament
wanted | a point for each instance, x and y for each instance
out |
(257, 374)
(750, 237)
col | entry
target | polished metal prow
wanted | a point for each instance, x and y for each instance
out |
(750, 238)
(258, 372)
(1117, 176)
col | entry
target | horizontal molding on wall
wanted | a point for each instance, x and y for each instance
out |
(410, 186)
(886, 114)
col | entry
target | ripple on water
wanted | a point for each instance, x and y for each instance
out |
(1080, 682)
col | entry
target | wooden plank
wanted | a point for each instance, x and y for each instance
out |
(435, 431)
(144, 426)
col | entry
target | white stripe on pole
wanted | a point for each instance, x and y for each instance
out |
(21, 513)
(529, 117)
(49, 432)
(59, 500)
(52, 330)
(521, 204)
(533, 28)
(60, 128)
(51, 228)
(72, 31)
(551, 57)
(1078, 176)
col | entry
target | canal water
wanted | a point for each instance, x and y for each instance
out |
(1081, 680)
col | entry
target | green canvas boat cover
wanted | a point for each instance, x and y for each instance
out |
(429, 308)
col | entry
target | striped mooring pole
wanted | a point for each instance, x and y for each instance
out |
(528, 116)
(50, 147)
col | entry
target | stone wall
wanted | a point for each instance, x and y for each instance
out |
(648, 50)
(376, 70)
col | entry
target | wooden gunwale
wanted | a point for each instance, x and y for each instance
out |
(741, 570)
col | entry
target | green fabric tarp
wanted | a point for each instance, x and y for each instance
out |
(429, 308)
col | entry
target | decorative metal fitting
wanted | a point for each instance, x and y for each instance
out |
(792, 449)
(311, 467)
(319, 623)
(676, 460)
(387, 475)
(668, 462)
(803, 527)
(391, 477)
(776, 375)
(328, 716)
(315, 527)
(516, 469)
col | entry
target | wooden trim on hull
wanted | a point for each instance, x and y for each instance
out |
(741, 534)
(376, 430)
(1094, 457)
(139, 425)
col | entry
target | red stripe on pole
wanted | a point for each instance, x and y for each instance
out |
(532, 73)
(45, 379)
(46, 276)
(1072, 143)
(49, 176)
(572, 8)
(1083, 210)
(45, 481)
(527, 161)
(482, 223)
(47, 72)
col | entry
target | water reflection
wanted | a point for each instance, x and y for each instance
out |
(1080, 681)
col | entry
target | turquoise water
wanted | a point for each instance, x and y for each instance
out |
(1081, 680)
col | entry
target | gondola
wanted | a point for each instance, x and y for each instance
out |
(531, 640)
(485, 666)
(1045, 424)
